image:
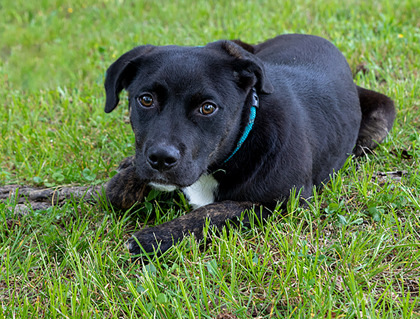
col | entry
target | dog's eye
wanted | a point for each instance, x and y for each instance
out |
(208, 108)
(145, 100)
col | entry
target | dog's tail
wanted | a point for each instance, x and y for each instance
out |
(378, 115)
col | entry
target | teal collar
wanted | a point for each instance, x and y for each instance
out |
(248, 128)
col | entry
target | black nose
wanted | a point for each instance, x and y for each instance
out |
(163, 157)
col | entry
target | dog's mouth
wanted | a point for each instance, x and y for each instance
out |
(170, 185)
(163, 187)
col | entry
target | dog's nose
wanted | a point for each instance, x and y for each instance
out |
(163, 157)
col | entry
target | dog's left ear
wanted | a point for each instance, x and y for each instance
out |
(249, 67)
(120, 74)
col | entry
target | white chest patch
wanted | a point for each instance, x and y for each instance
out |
(202, 192)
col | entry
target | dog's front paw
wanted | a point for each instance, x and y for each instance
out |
(126, 163)
(126, 189)
(150, 241)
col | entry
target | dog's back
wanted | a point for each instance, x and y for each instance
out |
(320, 78)
(378, 110)
(295, 50)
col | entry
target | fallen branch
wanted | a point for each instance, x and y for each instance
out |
(22, 199)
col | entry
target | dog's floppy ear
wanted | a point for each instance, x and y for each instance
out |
(248, 66)
(120, 74)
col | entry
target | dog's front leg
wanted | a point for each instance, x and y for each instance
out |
(160, 238)
(126, 189)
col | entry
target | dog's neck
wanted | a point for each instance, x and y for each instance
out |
(253, 113)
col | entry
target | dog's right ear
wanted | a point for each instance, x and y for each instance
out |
(248, 66)
(120, 74)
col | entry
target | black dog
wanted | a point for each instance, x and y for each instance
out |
(235, 125)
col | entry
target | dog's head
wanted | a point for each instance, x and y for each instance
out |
(187, 105)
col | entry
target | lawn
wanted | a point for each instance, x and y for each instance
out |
(352, 252)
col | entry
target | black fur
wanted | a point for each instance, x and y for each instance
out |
(311, 117)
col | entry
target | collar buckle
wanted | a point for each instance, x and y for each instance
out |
(255, 98)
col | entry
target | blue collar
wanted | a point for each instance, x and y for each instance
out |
(248, 128)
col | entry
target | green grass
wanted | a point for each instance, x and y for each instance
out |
(352, 252)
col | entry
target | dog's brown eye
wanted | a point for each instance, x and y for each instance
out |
(145, 100)
(208, 108)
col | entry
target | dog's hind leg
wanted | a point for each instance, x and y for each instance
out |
(126, 189)
(160, 238)
(378, 115)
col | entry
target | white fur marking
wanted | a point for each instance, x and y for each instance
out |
(163, 187)
(202, 192)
